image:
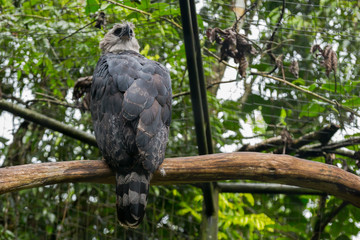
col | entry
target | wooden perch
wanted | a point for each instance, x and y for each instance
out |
(263, 167)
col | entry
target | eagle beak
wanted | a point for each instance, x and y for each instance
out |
(128, 31)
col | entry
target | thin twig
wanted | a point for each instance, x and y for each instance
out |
(320, 216)
(172, 22)
(57, 102)
(11, 97)
(77, 30)
(33, 16)
(221, 82)
(128, 7)
(246, 11)
(215, 56)
(330, 217)
(271, 39)
(180, 94)
(207, 87)
(47, 96)
(252, 42)
(273, 48)
(307, 92)
(145, 13)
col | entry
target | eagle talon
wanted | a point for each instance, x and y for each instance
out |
(162, 171)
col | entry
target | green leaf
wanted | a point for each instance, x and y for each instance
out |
(352, 102)
(145, 5)
(49, 229)
(283, 116)
(26, 68)
(3, 140)
(18, 75)
(311, 110)
(105, 5)
(91, 6)
(299, 81)
(313, 86)
(343, 237)
(249, 197)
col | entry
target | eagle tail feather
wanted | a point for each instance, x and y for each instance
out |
(131, 197)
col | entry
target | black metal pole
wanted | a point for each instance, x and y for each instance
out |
(197, 106)
(201, 77)
(200, 111)
(269, 188)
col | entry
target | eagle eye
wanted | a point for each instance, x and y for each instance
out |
(117, 32)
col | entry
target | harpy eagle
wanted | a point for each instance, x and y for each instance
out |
(131, 111)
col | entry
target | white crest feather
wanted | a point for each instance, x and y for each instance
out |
(114, 44)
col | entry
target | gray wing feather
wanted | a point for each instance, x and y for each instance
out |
(131, 110)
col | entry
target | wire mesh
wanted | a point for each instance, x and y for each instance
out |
(244, 111)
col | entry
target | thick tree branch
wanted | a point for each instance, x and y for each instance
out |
(264, 145)
(206, 168)
(346, 153)
(323, 136)
(318, 149)
(47, 122)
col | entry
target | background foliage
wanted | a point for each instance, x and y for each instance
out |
(47, 45)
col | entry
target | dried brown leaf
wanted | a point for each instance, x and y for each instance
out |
(315, 47)
(244, 46)
(214, 34)
(285, 136)
(100, 20)
(294, 68)
(82, 88)
(233, 45)
(210, 33)
(330, 60)
(279, 61)
(243, 64)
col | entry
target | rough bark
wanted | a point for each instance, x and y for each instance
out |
(206, 168)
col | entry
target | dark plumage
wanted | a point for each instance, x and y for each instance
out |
(131, 111)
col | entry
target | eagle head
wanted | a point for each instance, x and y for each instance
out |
(120, 38)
